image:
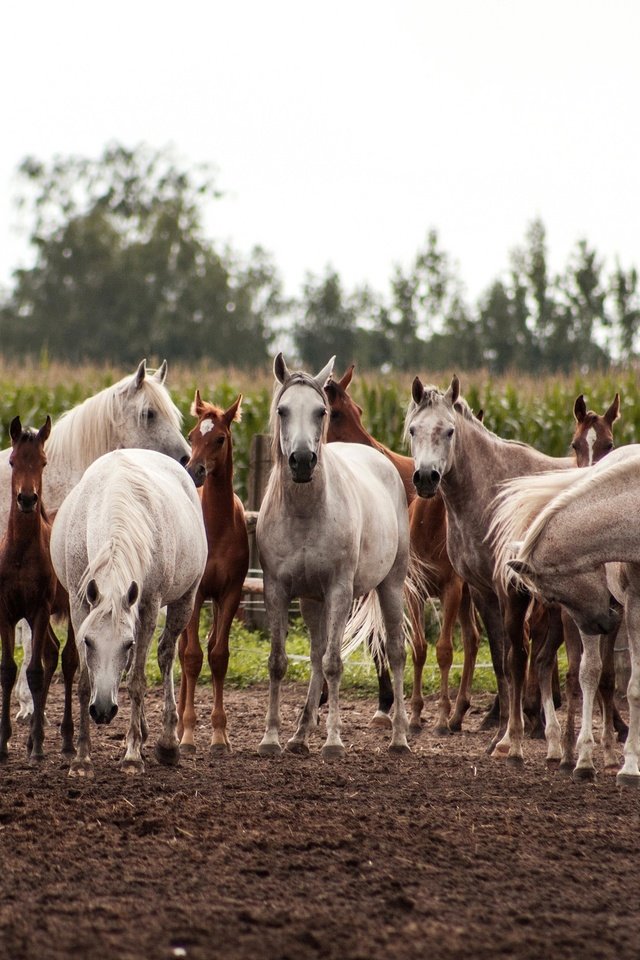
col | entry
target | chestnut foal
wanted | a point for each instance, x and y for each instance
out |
(211, 468)
(29, 590)
(428, 531)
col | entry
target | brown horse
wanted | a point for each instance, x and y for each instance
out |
(29, 590)
(428, 530)
(211, 468)
(593, 436)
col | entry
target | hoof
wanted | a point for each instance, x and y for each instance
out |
(584, 775)
(298, 747)
(553, 763)
(515, 761)
(167, 756)
(36, 758)
(187, 749)
(566, 768)
(415, 729)
(399, 749)
(132, 768)
(23, 718)
(537, 733)
(220, 749)
(628, 780)
(381, 720)
(455, 726)
(442, 730)
(82, 769)
(333, 751)
(270, 750)
(4, 756)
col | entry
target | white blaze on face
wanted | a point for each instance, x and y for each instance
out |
(591, 439)
(205, 426)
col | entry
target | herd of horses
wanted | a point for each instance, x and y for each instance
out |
(103, 525)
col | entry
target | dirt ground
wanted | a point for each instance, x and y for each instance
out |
(442, 854)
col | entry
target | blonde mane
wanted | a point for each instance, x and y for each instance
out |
(83, 434)
(127, 554)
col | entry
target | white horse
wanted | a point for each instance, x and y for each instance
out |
(581, 548)
(128, 540)
(333, 526)
(135, 412)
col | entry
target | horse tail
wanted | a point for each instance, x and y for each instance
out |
(516, 507)
(366, 621)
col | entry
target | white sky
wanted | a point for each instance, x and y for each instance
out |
(343, 131)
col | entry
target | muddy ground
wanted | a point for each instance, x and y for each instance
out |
(443, 854)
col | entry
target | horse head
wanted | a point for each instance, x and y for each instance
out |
(299, 417)
(430, 427)
(345, 421)
(145, 416)
(593, 437)
(210, 439)
(107, 641)
(27, 460)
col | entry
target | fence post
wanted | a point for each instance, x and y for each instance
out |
(259, 469)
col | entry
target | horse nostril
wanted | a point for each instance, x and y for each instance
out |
(184, 460)
(314, 459)
(435, 476)
(416, 478)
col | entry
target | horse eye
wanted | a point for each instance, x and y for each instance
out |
(412, 431)
(220, 441)
(89, 644)
(281, 411)
(575, 446)
(150, 415)
(450, 432)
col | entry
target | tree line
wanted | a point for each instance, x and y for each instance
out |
(122, 266)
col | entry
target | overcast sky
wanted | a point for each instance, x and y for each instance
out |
(343, 131)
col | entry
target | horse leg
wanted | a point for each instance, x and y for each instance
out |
(23, 693)
(381, 717)
(606, 689)
(450, 599)
(590, 667)
(545, 662)
(191, 657)
(629, 775)
(419, 655)
(573, 644)
(489, 610)
(69, 666)
(516, 607)
(167, 749)
(132, 762)
(390, 592)
(36, 680)
(621, 642)
(308, 720)
(81, 765)
(8, 673)
(337, 603)
(218, 649)
(471, 644)
(276, 602)
(538, 626)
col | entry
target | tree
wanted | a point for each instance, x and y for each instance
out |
(122, 269)
(326, 322)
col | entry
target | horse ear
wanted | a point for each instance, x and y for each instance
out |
(161, 373)
(15, 430)
(580, 409)
(453, 392)
(132, 595)
(140, 374)
(331, 391)
(613, 412)
(417, 389)
(197, 406)
(280, 369)
(480, 415)
(346, 377)
(93, 594)
(45, 430)
(322, 377)
(233, 413)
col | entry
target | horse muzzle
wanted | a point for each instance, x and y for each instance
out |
(302, 465)
(103, 712)
(426, 481)
(27, 502)
(197, 472)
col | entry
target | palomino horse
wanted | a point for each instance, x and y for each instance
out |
(211, 468)
(581, 549)
(333, 526)
(28, 583)
(455, 453)
(128, 540)
(428, 531)
(137, 411)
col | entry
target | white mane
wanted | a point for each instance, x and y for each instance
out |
(127, 553)
(83, 434)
